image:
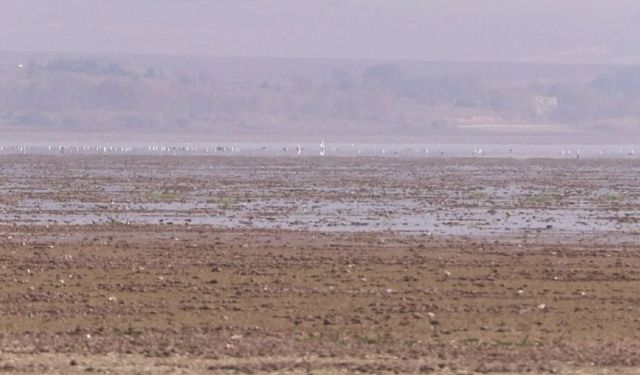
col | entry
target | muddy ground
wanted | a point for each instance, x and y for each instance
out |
(104, 268)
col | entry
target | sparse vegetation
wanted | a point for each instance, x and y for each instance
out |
(538, 199)
(478, 194)
(226, 203)
(370, 338)
(612, 197)
(116, 221)
(165, 196)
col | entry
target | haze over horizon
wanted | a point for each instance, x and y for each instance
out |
(565, 31)
(457, 70)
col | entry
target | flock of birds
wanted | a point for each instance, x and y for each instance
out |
(307, 150)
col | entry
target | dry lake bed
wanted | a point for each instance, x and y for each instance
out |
(240, 264)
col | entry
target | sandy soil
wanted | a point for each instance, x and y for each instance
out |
(117, 297)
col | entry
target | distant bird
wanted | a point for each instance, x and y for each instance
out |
(298, 149)
(323, 148)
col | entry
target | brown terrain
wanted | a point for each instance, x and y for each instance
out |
(158, 264)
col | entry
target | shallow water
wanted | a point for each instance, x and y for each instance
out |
(565, 151)
(330, 216)
(443, 196)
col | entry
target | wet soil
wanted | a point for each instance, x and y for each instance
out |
(128, 296)
(533, 197)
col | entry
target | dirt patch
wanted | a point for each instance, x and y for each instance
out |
(195, 291)
(117, 297)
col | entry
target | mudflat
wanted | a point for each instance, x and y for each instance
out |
(318, 265)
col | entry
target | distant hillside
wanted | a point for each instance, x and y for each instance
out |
(314, 97)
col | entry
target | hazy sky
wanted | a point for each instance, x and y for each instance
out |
(514, 30)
